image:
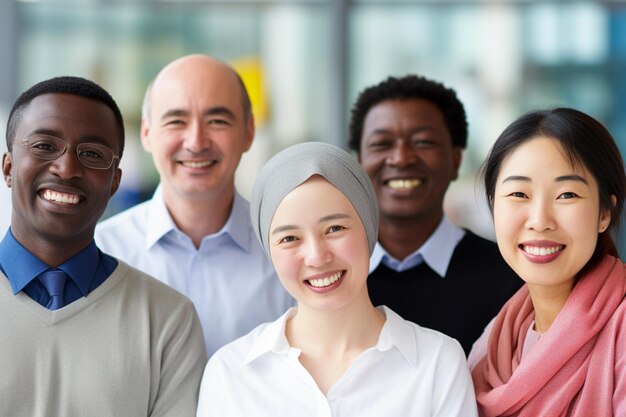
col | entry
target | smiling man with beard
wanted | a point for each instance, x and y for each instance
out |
(83, 333)
(409, 134)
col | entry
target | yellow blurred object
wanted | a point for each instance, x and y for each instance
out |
(251, 72)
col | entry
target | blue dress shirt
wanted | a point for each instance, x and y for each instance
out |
(87, 270)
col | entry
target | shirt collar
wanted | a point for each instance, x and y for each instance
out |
(436, 251)
(396, 333)
(238, 223)
(272, 338)
(21, 266)
(160, 222)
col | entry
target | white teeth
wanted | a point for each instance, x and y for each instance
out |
(534, 250)
(404, 184)
(60, 197)
(325, 282)
(193, 164)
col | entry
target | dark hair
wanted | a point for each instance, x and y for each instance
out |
(63, 85)
(587, 143)
(407, 88)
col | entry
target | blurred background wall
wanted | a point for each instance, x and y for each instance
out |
(305, 61)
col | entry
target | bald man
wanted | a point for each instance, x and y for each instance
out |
(195, 233)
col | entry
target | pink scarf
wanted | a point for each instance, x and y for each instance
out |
(571, 369)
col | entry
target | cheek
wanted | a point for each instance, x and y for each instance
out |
(508, 225)
(105, 182)
(354, 252)
(372, 163)
(286, 265)
(585, 232)
(163, 144)
(506, 218)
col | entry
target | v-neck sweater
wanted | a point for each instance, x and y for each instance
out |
(132, 347)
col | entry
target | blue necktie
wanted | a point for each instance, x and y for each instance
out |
(54, 281)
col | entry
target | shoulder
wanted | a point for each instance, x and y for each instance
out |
(472, 240)
(124, 232)
(477, 256)
(230, 382)
(618, 322)
(433, 342)
(475, 251)
(234, 356)
(429, 343)
(144, 288)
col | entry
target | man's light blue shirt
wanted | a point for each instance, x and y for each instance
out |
(229, 278)
(436, 251)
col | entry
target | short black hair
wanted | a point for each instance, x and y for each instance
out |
(76, 86)
(407, 88)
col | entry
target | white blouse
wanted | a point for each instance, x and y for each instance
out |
(412, 371)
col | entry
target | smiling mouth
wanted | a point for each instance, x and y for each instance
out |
(325, 282)
(541, 251)
(57, 197)
(197, 164)
(404, 184)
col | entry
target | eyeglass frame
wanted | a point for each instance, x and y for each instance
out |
(56, 139)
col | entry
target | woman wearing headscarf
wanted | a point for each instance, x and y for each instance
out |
(315, 213)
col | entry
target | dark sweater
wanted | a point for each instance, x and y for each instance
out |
(478, 282)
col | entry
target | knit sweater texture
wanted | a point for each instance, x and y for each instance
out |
(132, 347)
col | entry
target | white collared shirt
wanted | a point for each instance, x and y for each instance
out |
(436, 251)
(412, 371)
(229, 278)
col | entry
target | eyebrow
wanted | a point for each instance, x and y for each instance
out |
(91, 138)
(384, 130)
(211, 111)
(330, 217)
(573, 177)
(44, 131)
(335, 216)
(562, 178)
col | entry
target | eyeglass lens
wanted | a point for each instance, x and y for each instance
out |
(91, 155)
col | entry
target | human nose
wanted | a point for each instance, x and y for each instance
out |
(67, 165)
(540, 216)
(316, 254)
(195, 138)
(401, 154)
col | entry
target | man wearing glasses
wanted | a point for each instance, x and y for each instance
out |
(83, 333)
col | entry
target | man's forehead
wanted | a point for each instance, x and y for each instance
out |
(187, 95)
(56, 111)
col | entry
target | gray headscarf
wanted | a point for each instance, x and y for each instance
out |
(296, 164)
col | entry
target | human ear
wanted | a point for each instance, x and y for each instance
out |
(145, 135)
(115, 184)
(250, 128)
(605, 216)
(457, 158)
(7, 165)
